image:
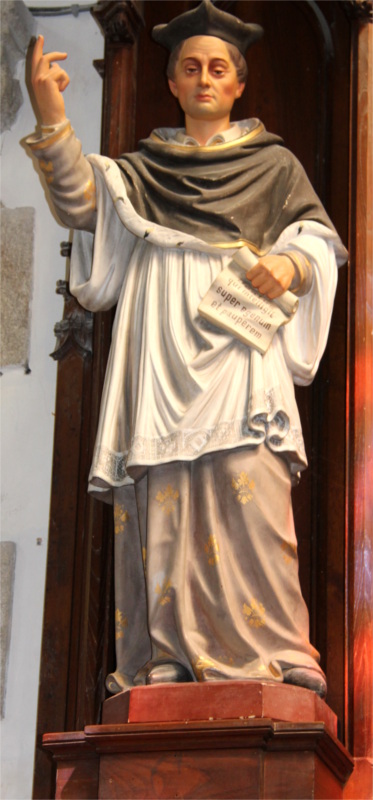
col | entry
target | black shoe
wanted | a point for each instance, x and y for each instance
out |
(308, 678)
(168, 672)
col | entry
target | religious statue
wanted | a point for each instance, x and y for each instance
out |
(199, 437)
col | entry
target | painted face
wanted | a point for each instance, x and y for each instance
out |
(205, 81)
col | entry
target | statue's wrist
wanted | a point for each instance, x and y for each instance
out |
(302, 271)
(52, 127)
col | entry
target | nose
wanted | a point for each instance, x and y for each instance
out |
(204, 76)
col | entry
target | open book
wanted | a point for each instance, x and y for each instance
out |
(233, 304)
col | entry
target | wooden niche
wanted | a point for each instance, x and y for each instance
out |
(308, 82)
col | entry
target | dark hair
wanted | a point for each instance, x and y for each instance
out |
(236, 57)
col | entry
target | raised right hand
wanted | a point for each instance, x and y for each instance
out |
(48, 80)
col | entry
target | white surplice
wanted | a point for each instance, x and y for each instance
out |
(177, 387)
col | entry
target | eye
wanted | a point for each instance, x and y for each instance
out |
(218, 70)
(191, 70)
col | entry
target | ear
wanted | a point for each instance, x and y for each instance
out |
(173, 87)
(239, 90)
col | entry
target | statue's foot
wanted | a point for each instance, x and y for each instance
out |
(168, 672)
(308, 678)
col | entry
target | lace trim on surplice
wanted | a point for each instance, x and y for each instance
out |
(187, 445)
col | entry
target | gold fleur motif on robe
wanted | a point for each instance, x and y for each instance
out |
(167, 499)
(90, 194)
(121, 622)
(121, 517)
(222, 658)
(289, 552)
(243, 487)
(212, 550)
(164, 592)
(254, 613)
(47, 168)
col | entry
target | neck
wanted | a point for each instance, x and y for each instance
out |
(202, 129)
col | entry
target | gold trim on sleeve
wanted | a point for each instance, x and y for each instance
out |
(42, 144)
(302, 268)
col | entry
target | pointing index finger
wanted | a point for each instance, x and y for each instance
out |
(38, 50)
(38, 54)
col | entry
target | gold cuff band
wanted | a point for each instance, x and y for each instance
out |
(42, 144)
(302, 268)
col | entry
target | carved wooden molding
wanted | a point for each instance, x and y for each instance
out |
(119, 22)
(362, 9)
(74, 332)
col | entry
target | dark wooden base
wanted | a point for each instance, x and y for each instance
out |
(229, 759)
(250, 756)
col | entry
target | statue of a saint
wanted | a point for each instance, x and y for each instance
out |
(199, 437)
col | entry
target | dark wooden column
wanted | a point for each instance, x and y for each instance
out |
(77, 646)
(120, 23)
(359, 521)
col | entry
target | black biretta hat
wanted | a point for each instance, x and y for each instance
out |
(207, 20)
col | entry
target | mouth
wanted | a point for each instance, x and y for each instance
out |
(203, 97)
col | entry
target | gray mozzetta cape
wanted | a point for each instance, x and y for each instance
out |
(248, 190)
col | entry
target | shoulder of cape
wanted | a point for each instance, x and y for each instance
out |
(267, 150)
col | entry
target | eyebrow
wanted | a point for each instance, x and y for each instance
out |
(221, 59)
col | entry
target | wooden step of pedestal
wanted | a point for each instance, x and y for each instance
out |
(218, 700)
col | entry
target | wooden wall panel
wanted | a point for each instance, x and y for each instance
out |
(360, 404)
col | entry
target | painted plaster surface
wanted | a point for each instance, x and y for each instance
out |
(7, 565)
(16, 273)
(16, 27)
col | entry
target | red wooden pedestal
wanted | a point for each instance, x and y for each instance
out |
(210, 750)
(218, 700)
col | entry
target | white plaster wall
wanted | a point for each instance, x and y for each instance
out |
(27, 416)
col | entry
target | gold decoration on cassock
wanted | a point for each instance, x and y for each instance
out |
(164, 592)
(47, 168)
(121, 622)
(167, 498)
(121, 517)
(212, 550)
(143, 551)
(222, 658)
(90, 194)
(254, 613)
(200, 664)
(289, 552)
(243, 486)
